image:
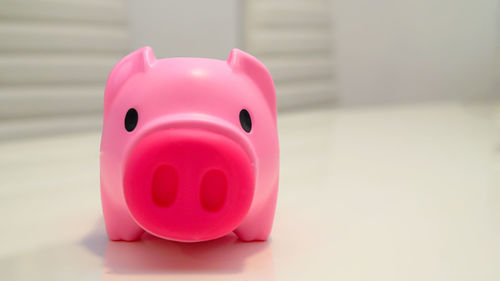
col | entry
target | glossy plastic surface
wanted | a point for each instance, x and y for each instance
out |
(177, 159)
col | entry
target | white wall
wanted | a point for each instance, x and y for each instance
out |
(401, 51)
(190, 28)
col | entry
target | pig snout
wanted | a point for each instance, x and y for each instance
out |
(188, 184)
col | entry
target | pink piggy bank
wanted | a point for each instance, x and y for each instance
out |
(189, 148)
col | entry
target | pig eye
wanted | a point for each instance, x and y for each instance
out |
(131, 119)
(245, 120)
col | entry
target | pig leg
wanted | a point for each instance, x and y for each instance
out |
(258, 226)
(119, 223)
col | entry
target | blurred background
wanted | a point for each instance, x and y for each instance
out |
(389, 122)
(55, 54)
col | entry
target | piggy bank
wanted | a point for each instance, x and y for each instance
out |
(189, 148)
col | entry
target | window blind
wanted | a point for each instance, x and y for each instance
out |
(55, 56)
(293, 39)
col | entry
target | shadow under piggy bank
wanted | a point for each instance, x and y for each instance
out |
(152, 254)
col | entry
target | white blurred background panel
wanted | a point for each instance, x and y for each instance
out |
(189, 28)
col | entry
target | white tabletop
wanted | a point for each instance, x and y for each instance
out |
(386, 193)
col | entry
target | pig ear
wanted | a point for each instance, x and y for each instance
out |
(136, 62)
(245, 63)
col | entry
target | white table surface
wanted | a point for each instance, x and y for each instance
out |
(383, 193)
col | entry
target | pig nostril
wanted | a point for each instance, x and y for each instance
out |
(164, 187)
(213, 190)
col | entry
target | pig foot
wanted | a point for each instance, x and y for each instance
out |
(256, 233)
(119, 224)
(258, 227)
(123, 231)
